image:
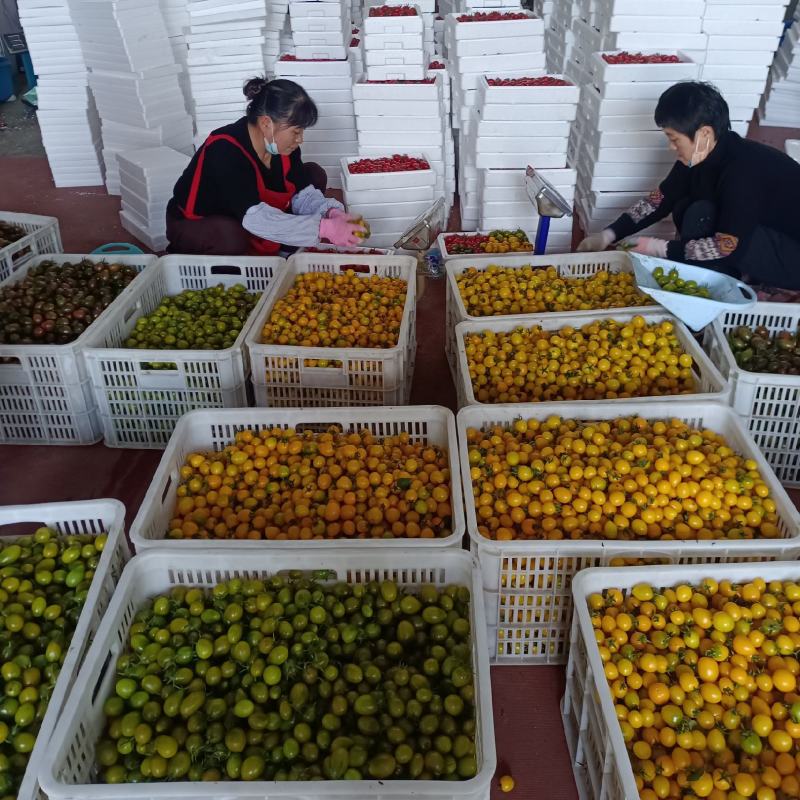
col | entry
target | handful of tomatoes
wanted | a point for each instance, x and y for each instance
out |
(705, 684)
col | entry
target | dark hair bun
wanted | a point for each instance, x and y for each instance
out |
(254, 87)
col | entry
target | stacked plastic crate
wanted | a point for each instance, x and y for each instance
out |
(226, 41)
(67, 115)
(390, 191)
(501, 44)
(519, 122)
(146, 179)
(133, 77)
(781, 103)
(620, 153)
(742, 39)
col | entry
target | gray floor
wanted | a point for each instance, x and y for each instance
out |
(21, 136)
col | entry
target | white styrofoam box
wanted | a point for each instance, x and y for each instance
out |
(689, 8)
(742, 27)
(630, 138)
(549, 95)
(314, 83)
(333, 51)
(495, 46)
(635, 41)
(631, 122)
(392, 25)
(516, 160)
(593, 102)
(532, 129)
(533, 66)
(527, 144)
(717, 72)
(300, 10)
(743, 42)
(396, 72)
(389, 226)
(637, 90)
(420, 140)
(499, 63)
(394, 211)
(745, 12)
(616, 183)
(392, 41)
(745, 57)
(732, 86)
(336, 148)
(385, 58)
(296, 68)
(614, 73)
(363, 90)
(647, 24)
(387, 180)
(503, 28)
(408, 124)
(396, 108)
(336, 110)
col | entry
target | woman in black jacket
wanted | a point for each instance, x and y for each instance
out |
(735, 202)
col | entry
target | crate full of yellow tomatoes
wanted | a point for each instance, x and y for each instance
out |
(682, 682)
(554, 488)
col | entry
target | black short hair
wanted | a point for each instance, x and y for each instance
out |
(688, 106)
(281, 100)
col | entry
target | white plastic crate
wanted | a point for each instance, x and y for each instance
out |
(45, 390)
(42, 236)
(204, 431)
(527, 584)
(709, 382)
(768, 404)
(70, 771)
(364, 376)
(138, 405)
(572, 265)
(599, 757)
(91, 517)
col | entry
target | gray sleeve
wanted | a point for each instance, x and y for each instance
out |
(290, 229)
(311, 201)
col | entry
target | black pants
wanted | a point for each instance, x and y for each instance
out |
(218, 235)
(771, 258)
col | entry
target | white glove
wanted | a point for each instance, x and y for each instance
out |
(597, 242)
(650, 246)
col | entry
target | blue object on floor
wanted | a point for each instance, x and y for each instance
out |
(27, 65)
(6, 80)
(118, 249)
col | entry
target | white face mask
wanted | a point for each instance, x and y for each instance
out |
(694, 160)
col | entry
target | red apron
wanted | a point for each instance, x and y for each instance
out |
(280, 200)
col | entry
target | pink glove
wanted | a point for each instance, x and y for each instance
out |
(650, 246)
(340, 231)
(337, 213)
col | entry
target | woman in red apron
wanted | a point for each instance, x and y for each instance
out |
(247, 191)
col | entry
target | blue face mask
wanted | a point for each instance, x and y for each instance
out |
(272, 148)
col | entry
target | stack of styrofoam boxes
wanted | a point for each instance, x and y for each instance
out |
(517, 126)
(277, 21)
(558, 36)
(226, 41)
(634, 26)
(544, 9)
(133, 77)
(320, 28)
(391, 117)
(781, 103)
(176, 19)
(437, 67)
(742, 40)
(356, 51)
(147, 178)
(389, 201)
(622, 154)
(426, 10)
(393, 46)
(438, 34)
(330, 84)
(504, 47)
(67, 115)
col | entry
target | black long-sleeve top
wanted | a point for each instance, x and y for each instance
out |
(749, 183)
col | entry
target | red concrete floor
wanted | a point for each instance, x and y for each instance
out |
(530, 741)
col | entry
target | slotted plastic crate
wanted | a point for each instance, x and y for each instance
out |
(527, 584)
(70, 770)
(709, 383)
(282, 375)
(139, 406)
(42, 236)
(599, 757)
(91, 517)
(45, 390)
(570, 265)
(768, 404)
(205, 431)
